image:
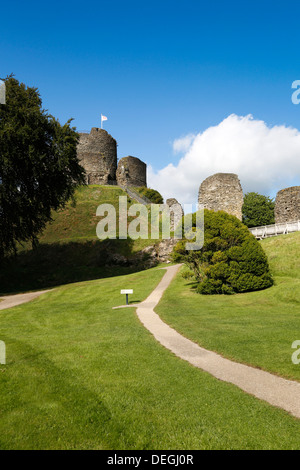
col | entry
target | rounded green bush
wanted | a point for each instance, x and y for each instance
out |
(231, 259)
(154, 196)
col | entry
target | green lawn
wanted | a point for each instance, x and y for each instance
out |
(80, 375)
(255, 328)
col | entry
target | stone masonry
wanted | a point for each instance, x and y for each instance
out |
(97, 153)
(176, 212)
(131, 171)
(222, 191)
(287, 205)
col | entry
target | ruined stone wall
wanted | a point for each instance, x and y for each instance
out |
(131, 171)
(222, 191)
(287, 205)
(97, 153)
(176, 212)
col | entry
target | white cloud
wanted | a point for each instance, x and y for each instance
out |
(265, 159)
(183, 143)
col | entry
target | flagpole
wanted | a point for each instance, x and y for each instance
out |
(101, 121)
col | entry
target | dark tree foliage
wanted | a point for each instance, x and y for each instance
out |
(39, 169)
(154, 196)
(231, 259)
(258, 210)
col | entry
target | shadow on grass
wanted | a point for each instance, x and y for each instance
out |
(54, 264)
(192, 284)
(86, 409)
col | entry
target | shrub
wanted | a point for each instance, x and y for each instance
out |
(258, 210)
(154, 196)
(231, 259)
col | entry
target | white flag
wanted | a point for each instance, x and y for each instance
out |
(103, 118)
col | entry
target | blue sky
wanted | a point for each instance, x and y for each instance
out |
(158, 70)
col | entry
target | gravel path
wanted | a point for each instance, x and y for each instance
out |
(9, 301)
(275, 390)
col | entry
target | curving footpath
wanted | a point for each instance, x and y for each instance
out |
(275, 390)
(9, 301)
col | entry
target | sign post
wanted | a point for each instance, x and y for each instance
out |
(126, 292)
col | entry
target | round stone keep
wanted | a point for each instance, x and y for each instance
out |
(97, 153)
(131, 171)
(287, 205)
(222, 192)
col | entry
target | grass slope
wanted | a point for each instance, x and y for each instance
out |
(69, 249)
(76, 223)
(79, 222)
(256, 328)
(80, 375)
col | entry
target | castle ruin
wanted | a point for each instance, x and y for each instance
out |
(222, 192)
(176, 212)
(131, 171)
(97, 153)
(287, 205)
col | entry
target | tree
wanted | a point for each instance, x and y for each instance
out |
(154, 196)
(231, 259)
(258, 210)
(39, 169)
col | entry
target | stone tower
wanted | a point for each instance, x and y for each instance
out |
(131, 171)
(222, 192)
(97, 153)
(287, 205)
(176, 212)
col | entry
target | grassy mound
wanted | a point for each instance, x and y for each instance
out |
(69, 249)
(77, 223)
(284, 255)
